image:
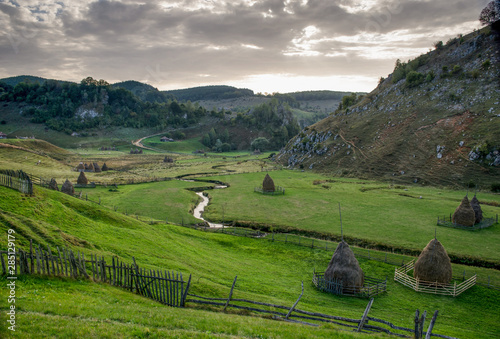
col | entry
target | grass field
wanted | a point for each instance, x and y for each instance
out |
(267, 271)
(375, 211)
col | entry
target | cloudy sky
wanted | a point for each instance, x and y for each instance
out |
(265, 45)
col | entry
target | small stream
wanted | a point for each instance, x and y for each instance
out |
(198, 211)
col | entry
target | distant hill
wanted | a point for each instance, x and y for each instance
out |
(434, 120)
(144, 91)
(12, 81)
(210, 93)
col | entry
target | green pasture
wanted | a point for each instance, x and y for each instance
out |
(267, 271)
(374, 211)
(165, 200)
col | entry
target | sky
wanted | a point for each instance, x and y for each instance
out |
(267, 46)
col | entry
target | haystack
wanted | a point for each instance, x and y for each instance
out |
(268, 184)
(68, 188)
(97, 169)
(464, 214)
(86, 166)
(345, 267)
(433, 264)
(53, 185)
(82, 179)
(478, 212)
(91, 167)
(104, 167)
(80, 167)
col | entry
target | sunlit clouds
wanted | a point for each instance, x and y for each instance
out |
(267, 45)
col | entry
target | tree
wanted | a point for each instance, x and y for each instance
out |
(260, 143)
(490, 13)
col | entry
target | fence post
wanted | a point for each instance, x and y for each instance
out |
(312, 245)
(230, 293)
(293, 307)
(431, 325)
(363, 319)
(417, 332)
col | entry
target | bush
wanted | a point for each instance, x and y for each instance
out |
(260, 143)
(438, 45)
(495, 187)
(486, 64)
(414, 78)
(456, 69)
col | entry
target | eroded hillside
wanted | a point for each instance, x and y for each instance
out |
(434, 120)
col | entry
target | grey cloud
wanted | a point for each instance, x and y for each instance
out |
(119, 40)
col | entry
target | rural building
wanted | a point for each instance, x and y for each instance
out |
(3, 135)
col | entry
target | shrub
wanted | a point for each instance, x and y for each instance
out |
(486, 64)
(414, 78)
(456, 69)
(438, 45)
(430, 76)
(495, 187)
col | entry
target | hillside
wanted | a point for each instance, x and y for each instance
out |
(13, 81)
(434, 120)
(144, 91)
(267, 271)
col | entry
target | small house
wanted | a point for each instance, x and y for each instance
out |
(3, 135)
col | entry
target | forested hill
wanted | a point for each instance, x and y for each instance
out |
(209, 93)
(70, 107)
(434, 120)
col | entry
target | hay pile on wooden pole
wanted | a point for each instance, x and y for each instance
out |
(464, 214)
(82, 179)
(345, 267)
(80, 167)
(433, 264)
(68, 188)
(268, 184)
(53, 185)
(104, 167)
(97, 169)
(91, 167)
(478, 212)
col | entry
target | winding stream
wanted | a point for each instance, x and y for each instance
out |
(198, 211)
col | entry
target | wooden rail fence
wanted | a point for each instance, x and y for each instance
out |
(365, 324)
(166, 287)
(370, 288)
(401, 276)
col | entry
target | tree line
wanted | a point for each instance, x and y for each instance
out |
(92, 103)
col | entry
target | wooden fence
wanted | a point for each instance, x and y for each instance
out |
(370, 288)
(168, 288)
(17, 180)
(278, 191)
(291, 313)
(485, 223)
(401, 276)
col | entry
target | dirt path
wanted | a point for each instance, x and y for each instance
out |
(138, 142)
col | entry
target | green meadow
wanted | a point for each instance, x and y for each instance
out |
(267, 271)
(399, 216)
(375, 212)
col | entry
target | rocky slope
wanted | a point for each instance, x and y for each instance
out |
(434, 120)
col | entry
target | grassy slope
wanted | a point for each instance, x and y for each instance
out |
(392, 216)
(267, 271)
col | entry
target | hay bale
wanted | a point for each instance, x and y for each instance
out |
(91, 168)
(268, 184)
(68, 188)
(433, 264)
(86, 166)
(104, 167)
(53, 184)
(97, 169)
(345, 267)
(478, 212)
(80, 167)
(464, 214)
(82, 179)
